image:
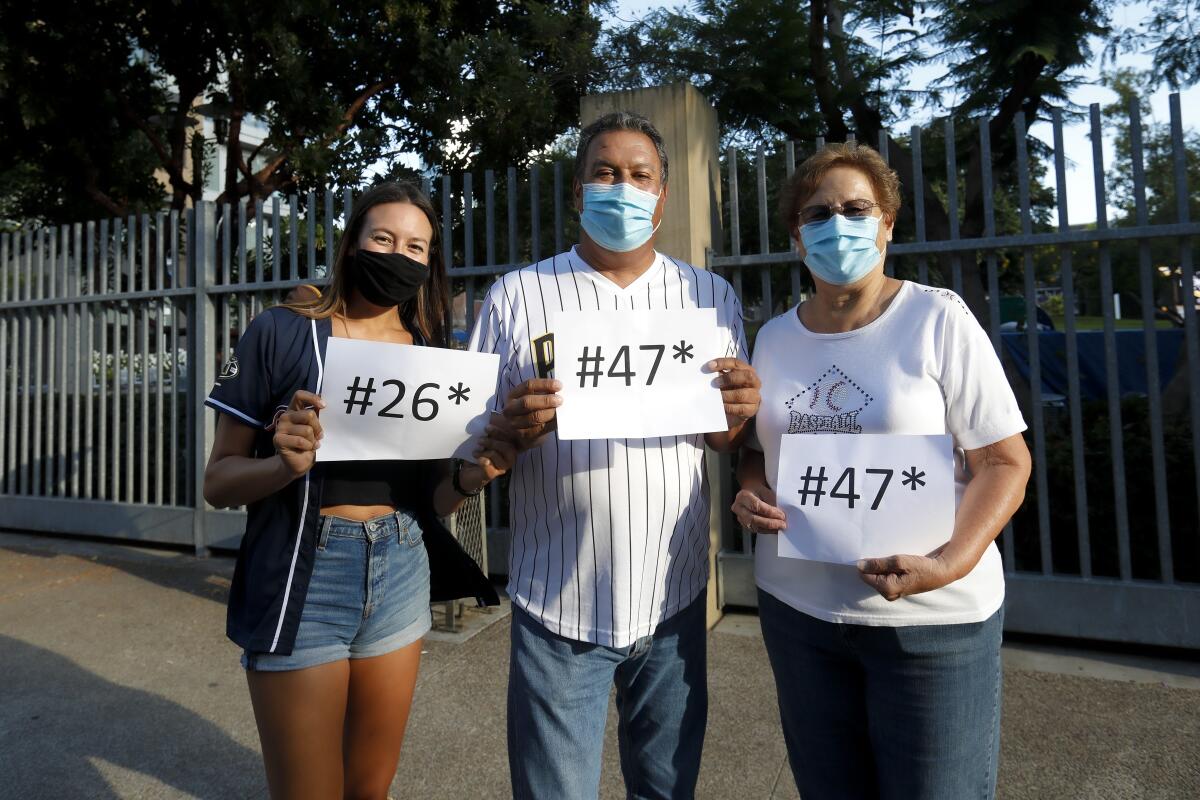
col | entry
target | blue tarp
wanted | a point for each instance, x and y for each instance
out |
(1131, 359)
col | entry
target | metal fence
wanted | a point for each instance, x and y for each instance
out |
(112, 332)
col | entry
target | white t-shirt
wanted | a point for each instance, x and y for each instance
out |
(925, 366)
(609, 536)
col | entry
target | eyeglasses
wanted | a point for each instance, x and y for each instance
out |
(853, 209)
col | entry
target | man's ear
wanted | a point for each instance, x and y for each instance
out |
(577, 195)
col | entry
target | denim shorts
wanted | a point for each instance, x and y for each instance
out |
(368, 594)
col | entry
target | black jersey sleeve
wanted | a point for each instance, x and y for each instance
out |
(243, 389)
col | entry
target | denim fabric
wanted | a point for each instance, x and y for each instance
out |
(909, 712)
(558, 692)
(369, 594)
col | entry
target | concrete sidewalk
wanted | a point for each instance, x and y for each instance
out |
(116, 681)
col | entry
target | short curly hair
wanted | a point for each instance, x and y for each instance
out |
(866, 160)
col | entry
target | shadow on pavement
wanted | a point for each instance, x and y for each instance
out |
(60, 725)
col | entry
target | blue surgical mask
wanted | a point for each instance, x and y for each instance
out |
(841, 250)
(618, 216)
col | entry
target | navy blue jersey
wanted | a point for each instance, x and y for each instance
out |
(279, 353)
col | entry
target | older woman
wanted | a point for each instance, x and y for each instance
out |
(888, 670)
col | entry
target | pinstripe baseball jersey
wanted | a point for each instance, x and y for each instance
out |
(609, 536)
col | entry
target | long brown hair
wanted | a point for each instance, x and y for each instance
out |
(428, 311)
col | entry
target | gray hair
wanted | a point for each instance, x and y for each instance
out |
(619, 121)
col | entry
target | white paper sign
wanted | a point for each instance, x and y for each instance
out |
(865, 496)
(388, 401)
(637, 374)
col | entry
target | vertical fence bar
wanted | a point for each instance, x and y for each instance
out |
(1035, 360)
(489, 199)
(5, 459)
(1158, 457)
(1111, 373)
(62, 351)
(189, 418)
(535, 214)
(26, 384)
(144, 465)
(1187, 283)
(889, 264)
(510, 186)
(735, 220)
(49, 356)
(989, 230)
(468, 200)
(919, 201)
(88, 367)
(224, 312)
(993, 287)
(956, 276)
(7, 275)
(127, 338)
(789, 160)
(173, 446)
(200, 368)
(329, 232)
(76, 314)
(259, 240)
(293, 237)
(347, 207)
(102, 486)
(160, 355)
(276, 244)
(447, 223)
(764, 242)
(1074, 401)
(39, 287)
(559, 218)
(310, 224)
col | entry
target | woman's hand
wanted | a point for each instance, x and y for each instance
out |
(901, 575)
(755, 509)
(298, 433)
(494, 456)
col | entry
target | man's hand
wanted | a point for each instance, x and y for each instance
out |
(529, 411)
(298, 433)
(739, 389)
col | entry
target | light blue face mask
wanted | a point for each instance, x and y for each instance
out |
(841, 250)
(618, 216)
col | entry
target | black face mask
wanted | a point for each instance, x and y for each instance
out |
(388, 279)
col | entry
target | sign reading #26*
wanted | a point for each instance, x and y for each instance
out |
(390, 401)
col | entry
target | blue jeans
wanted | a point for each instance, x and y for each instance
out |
(368, 595)
(558, 693)
(880, 712)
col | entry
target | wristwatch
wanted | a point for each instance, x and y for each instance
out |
(455, 481)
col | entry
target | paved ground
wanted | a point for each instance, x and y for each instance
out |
(116, 681)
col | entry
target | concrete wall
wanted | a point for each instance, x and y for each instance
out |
(688, 123)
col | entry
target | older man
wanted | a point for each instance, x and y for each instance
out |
(609, 566)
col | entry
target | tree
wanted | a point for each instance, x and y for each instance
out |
(340, 85)
(1172, 35)
(819, 68)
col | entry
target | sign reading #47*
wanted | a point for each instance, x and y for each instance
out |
(637, 374)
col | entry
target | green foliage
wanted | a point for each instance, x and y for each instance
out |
(339, 86)
(1172, 35)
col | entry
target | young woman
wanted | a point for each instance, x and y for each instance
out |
(331, 594)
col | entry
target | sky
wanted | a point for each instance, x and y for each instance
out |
(1081, 204)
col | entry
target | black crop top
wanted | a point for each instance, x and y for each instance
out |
(400, 484)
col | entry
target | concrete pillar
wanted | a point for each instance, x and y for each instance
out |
(691, 224)
(688, 124)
